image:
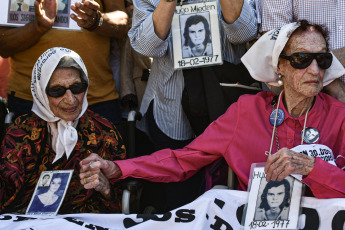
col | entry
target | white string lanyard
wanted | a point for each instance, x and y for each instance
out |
(275, 124)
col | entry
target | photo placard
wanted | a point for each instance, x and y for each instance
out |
(273, 204)
(16, 13)
(196, 35)
(49, 193)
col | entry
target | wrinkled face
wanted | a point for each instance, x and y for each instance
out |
(275, 196)
(197, 33)
(55, 184)
(68, 106)
(307, 82)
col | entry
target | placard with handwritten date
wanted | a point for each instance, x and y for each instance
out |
(196, 35)
(273, 204)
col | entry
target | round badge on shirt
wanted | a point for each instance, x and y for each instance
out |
(311, 135)
(280, 117)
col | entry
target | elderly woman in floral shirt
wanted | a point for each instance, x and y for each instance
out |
(57, 136)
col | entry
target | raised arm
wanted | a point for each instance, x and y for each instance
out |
(114, 20)
(238, 18)
(17, 39)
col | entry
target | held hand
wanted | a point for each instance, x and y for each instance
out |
(95, 162)
(45, 12)
(286, 162)
(86, 13)
(96, 180)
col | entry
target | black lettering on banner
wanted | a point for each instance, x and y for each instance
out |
(95, 227)
(22, 218)
(239, 213)
(312, 220)
(5, 217)
(338, 220)
(78, 222)
(218, 225)
(185, 215)
(129, 222)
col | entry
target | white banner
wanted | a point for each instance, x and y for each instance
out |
(217, 209)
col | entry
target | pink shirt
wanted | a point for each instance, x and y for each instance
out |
(242, 135)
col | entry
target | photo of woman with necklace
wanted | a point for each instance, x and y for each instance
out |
(47, 199)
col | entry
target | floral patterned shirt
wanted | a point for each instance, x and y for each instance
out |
(22, 160)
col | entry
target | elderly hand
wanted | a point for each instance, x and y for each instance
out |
(94, 162)
(86, 13)
(96, 179)
(286, 162)
(95, 172)
(45, 12)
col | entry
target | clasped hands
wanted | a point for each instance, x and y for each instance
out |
(286, 162)
(95, 173)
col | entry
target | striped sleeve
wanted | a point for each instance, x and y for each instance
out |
(142, 35)
(244, 29)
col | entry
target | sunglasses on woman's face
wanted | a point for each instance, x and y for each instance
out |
(59, 91)
(303, 60)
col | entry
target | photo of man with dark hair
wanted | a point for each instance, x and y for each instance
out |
(275, 201)
(45, 182)
(197, 37)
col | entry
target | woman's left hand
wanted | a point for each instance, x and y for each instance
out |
(86, 13)
(95, 179)
(286, 162)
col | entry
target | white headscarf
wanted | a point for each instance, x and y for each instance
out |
(262, 58)
(64, 134)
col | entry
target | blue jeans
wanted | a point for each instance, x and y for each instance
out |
(108, 109)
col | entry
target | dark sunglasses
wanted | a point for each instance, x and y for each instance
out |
(58, 91)
(303, 60)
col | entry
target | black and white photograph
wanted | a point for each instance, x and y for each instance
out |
(274, 200)
(196, 35)
(49, 193)
(17, 13)
(196, 40)
(273, 204)
(62, 7)
(45, 180)
(19, 5)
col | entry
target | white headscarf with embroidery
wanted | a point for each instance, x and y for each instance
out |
(64, 133)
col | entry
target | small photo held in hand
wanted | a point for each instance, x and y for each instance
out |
(49, 192)
(273, 204)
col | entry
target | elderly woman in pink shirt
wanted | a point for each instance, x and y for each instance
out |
(263, 127)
